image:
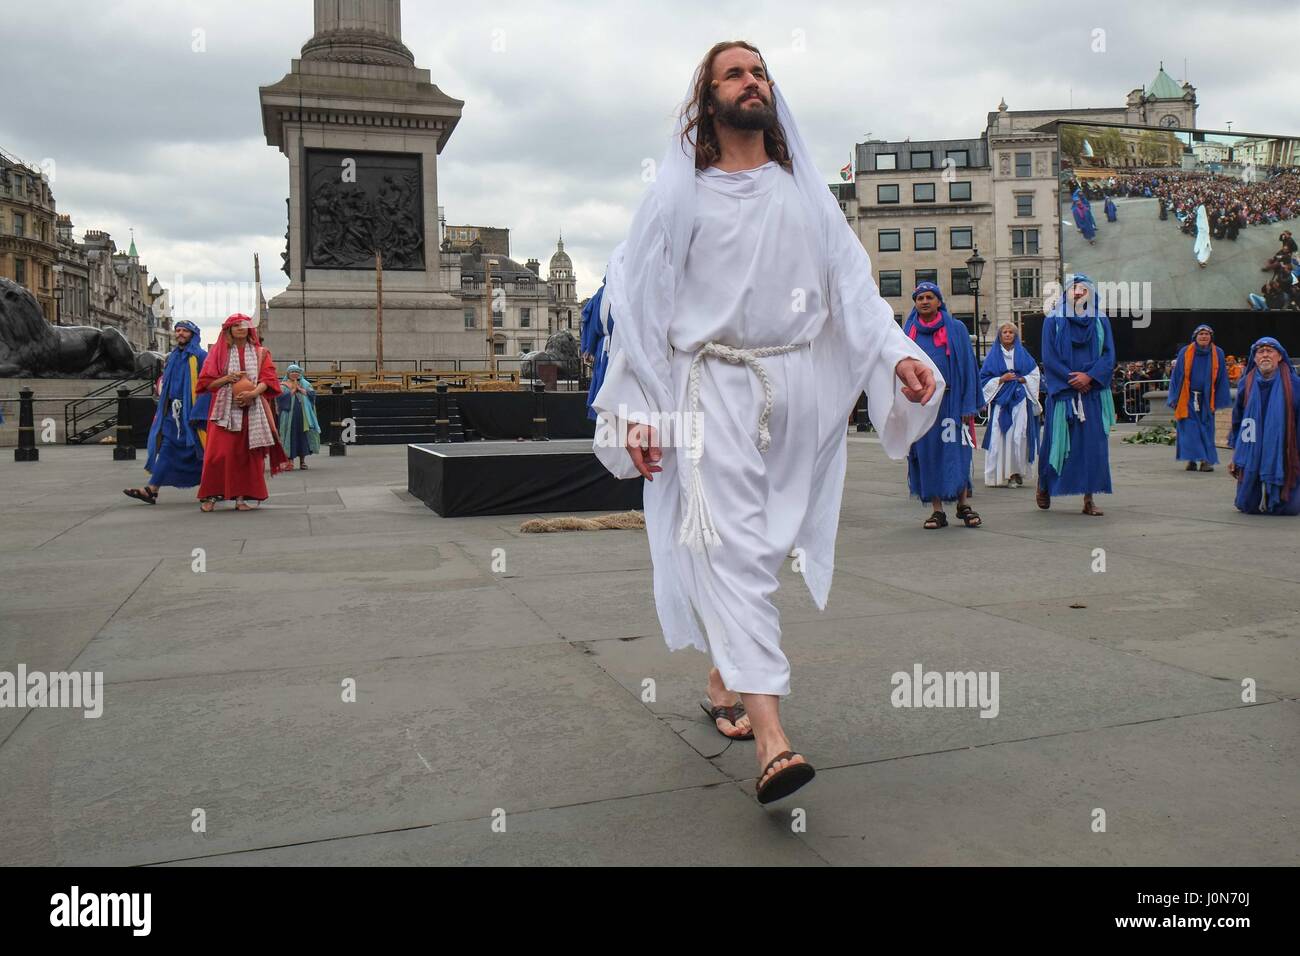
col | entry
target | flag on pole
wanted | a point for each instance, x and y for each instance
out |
(846, 171)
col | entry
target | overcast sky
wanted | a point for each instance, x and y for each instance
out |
(144, 132)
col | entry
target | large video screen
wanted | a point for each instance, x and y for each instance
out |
(1188, 219)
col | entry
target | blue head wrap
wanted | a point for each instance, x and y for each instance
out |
(177, 385)
(928, 287)
(1271, 456)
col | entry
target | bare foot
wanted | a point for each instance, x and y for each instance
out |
(208, 504)
(776, 746)
(719, 696)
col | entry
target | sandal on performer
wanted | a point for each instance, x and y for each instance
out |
(783, 782)
(1018, 481)
(208, 505)
(937, 520)
(731, 714)
(1091, 509)
(142, 494)
(1042, 498)
(969, 516)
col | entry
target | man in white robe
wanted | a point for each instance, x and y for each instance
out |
(746, 323)
(1009, 453)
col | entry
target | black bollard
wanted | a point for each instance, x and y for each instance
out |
(539, 411)
(26, 450)
(441, 421)
(336, 421)
(124, 450)
(860, 414)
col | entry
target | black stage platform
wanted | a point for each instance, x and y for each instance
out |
(457, 479)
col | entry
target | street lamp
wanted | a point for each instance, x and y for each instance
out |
(975, 272)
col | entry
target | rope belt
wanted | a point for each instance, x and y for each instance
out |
(698, 528)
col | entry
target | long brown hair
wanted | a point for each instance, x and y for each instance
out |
(698, 120)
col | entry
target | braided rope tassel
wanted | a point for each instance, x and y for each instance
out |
(698, 529)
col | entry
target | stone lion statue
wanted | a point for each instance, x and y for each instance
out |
(561, 349)
(32, 348)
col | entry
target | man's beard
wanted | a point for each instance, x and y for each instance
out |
(742, 116)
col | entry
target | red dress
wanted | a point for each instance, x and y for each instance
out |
(230, 468)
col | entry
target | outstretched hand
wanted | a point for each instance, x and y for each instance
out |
(917, 379)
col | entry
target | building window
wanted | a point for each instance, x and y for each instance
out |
(922, 159)
(922, 192)
(923, 240)
(525, 318)
(1024, 165)
(887, 194)
(960, 238)
(498, 348)
(886, 160)
(498, 317)
(1025, 204)
(469, 318)
(960, 157)
(959, 192)
(927, 275)
(960, 282)
(20, 271)
(20, 224)
(891, 283)
(890, 240)
(526, 345)
(1025, 283)
(1024, 242)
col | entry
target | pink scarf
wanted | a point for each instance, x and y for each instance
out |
(938, 327)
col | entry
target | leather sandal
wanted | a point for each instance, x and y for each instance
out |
(142, 494)
(937, 520)
(969, 516)
(1042, 498)
(1091, 509)
(783, 782)
(732, 714)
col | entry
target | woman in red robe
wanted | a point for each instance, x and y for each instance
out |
(241, 424)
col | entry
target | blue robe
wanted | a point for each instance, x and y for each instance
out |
(1009, 394)
(1262, 461)
(939, 462)
(1070, 344)
(178, 434)
(1111, 215)
(1083, 216)
(594, 342)
(1196, 431)
(299, 427)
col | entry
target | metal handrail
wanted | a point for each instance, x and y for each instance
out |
(73, 414)
(1135, 406)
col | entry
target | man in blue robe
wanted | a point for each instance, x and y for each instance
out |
(597, 324)
(939, 462)
(179, 431)
(1195, 397)
(1112, 213)
(1083, 215)
(1265, 422)
(1078, 362)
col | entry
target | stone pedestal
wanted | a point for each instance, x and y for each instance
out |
(362, 128)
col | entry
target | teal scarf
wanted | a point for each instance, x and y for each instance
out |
(1061, 431)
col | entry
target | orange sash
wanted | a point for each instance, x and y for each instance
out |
(1181, 410)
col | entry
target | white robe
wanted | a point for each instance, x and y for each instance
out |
(754, 276)
(1008, 454)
